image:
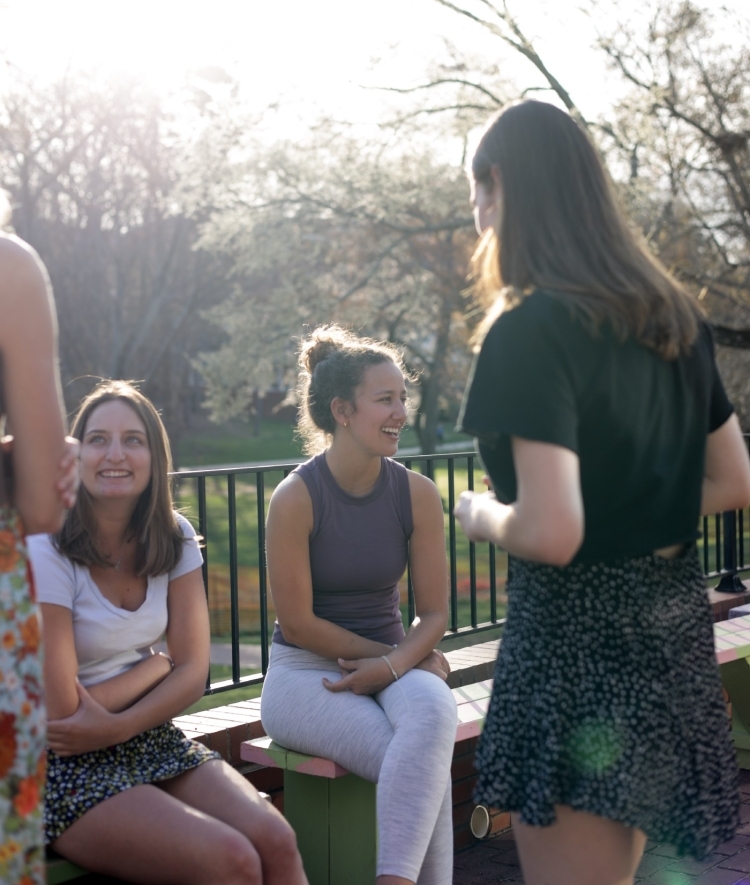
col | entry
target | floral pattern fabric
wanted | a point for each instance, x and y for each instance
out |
(607, 698)
(76, 784)
(22, 717)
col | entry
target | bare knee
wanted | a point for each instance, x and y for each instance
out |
(235, 861)
(278, 844)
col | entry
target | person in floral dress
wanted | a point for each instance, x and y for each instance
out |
(34, 494)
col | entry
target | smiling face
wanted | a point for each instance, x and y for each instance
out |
(115, 454)
(379, 412)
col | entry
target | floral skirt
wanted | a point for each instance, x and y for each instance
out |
(76, 784)
(22, 718)
(607, 698)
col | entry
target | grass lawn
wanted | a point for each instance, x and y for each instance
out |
(235, 443)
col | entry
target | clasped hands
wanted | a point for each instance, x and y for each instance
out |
(371, 675)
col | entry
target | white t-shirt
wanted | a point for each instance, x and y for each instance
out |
(108, 640)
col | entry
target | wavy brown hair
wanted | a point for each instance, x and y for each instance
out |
(562, 229)
(332, 363)
(153, 521)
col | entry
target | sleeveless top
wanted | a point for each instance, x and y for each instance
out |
(358, 550)
(637, 422)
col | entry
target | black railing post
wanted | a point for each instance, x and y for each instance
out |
(411, 605)
(730, 581)
(260, 491)
(203, 532)
(472, 551)
(234, 592)
(452, 546)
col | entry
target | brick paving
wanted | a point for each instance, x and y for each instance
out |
(496, 860)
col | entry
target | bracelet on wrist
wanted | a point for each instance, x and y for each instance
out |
(390, 667)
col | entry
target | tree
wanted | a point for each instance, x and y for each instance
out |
(338, 230)
(677, 145)
(101, 181)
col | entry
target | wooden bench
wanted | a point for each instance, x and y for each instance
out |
(61, 870)
(333, 811)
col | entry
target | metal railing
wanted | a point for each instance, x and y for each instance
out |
(231, 504)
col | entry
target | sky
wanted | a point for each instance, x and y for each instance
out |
(311, 56)
(315, 53)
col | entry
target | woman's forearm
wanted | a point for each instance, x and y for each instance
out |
(552, 536)
(424, 635)
(334, 642)
(122, 691)
(331, 641)
(171, 697)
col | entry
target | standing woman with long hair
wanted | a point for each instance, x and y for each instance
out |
(33, 495)
(345, 681)
(605, 430)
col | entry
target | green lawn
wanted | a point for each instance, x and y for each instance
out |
(236, 443)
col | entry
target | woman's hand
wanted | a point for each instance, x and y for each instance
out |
(364, 676)
(91, 727)
(435, 662)
(70, 473)
(68, 468)
(471, 512)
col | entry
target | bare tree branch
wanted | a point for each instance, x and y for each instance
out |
(440, 82)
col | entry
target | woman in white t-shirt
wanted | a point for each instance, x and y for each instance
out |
(127, 794)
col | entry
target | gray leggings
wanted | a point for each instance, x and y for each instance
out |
(401, 738)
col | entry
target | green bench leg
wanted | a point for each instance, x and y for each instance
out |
(334, 820)
(736, 678)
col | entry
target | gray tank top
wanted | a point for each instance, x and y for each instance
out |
(358, 550)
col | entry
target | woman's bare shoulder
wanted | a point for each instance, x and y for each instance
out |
(423, 490)
(290, 497)
(16, 254)
(23, 278)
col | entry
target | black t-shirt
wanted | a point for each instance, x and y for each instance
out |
(637, 422)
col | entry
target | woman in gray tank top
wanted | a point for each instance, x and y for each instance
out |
(345, 681)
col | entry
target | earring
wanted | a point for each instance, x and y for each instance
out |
(346, 423)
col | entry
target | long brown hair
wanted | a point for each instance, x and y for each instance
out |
(153, 522)
(561, 228)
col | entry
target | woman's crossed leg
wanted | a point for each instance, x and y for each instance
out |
(206, 826)
(402, 739)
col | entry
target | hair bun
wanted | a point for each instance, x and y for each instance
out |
(323, 341)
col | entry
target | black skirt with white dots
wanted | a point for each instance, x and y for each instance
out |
(76, 784)
(607, 698)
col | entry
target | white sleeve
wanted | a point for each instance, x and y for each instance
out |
(54, 574)
(191, 558)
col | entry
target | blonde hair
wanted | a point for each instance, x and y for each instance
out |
(563, 230)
